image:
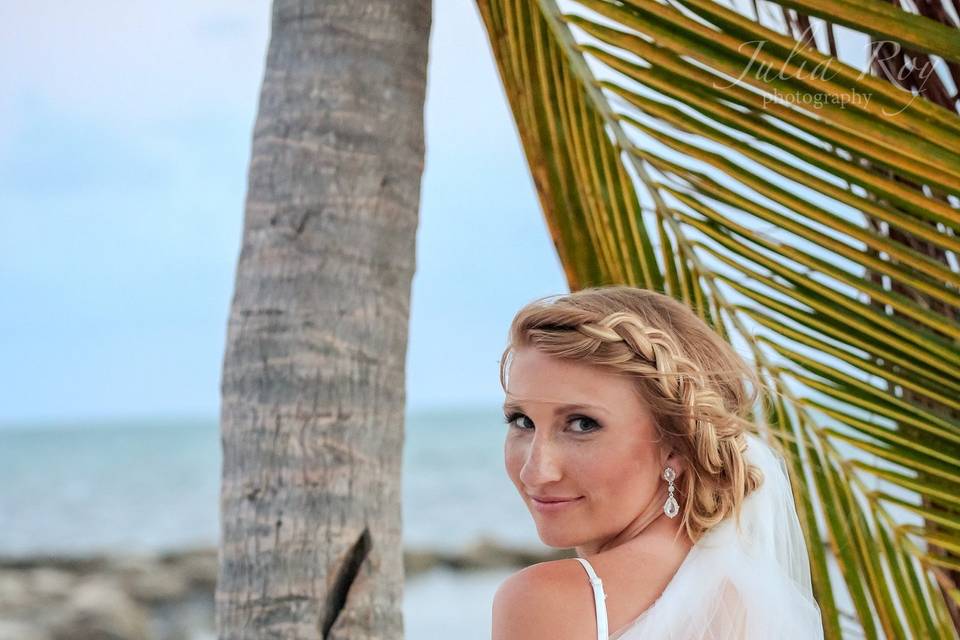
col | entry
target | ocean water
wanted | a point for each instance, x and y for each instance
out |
(154, 485)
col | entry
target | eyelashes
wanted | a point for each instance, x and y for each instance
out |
(511, 418)
(591, 424)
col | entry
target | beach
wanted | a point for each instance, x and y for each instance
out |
(111, 527)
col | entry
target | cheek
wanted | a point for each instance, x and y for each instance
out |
(622, 482)
(513, 457)
(614, 475)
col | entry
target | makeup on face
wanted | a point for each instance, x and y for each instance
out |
(578, 444)
(557, 506)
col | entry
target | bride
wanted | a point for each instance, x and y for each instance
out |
(628, 440)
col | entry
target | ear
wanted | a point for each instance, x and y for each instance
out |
(675, 461)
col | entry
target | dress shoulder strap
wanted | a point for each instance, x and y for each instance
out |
(599, 598)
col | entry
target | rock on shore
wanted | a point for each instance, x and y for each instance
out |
(166, 596)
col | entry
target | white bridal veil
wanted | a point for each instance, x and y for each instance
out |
(751, 584)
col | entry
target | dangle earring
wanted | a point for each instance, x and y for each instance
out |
(670, 507)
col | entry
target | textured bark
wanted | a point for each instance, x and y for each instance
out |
(313, 387)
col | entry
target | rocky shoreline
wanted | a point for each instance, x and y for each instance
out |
(163, 596)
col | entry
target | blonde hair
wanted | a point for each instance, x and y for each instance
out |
(691, 378)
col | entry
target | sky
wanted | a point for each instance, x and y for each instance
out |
(125, 132)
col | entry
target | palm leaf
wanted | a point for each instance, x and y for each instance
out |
(811, 226)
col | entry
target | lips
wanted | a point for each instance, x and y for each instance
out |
(549, 505)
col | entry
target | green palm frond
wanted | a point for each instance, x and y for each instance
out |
(809, 212)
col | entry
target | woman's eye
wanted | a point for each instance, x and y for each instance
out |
(589, 424)
(513, 418)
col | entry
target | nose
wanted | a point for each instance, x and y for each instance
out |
(543, 462)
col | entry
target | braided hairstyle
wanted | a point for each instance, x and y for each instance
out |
(691, 378)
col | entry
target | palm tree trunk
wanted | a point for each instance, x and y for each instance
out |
(313, 387)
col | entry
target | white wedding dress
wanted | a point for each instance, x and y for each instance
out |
(748, 585)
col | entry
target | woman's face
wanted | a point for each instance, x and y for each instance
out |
(603, 451)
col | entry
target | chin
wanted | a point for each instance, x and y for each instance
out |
(552, 537)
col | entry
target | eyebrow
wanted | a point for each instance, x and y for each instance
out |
(514, 406)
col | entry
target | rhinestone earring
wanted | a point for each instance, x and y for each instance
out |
(670, 507)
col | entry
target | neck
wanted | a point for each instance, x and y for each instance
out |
(652, 521)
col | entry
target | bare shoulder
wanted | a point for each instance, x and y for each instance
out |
(546, 601)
